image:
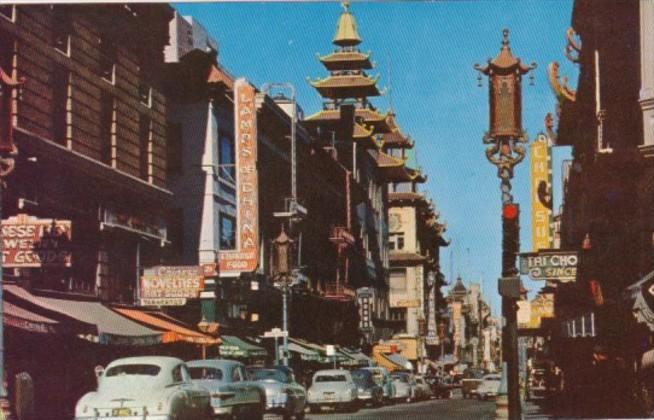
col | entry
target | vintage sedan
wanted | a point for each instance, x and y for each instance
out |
(383, 379)
(283, 394)
(405, 386)
(423, 390)
(145, 388)
(232, 393)
(489, 387)
(368, 391)
(333, 388)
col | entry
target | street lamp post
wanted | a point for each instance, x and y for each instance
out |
(506, 149)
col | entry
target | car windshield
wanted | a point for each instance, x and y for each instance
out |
(401, 378)
(362, 378)
(147, 370)
(330, 378)
(270, 374)
(205, 373)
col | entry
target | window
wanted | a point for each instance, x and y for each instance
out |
(107, 138)
(145, 147)
(398, 314)
(206, 373)
(145, 91)
(226, 157)
(398, 280)
(227, 232)
(174, 148)
(177, 374)
(138, 369)
(107, 60)
(400, 242)
(8, 12)
(396, 241)
(61, 103)
(236, 375)
(61, 29)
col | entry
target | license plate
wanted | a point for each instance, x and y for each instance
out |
(121, 412)
(329, 396)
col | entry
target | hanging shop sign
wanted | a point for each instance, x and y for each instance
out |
(550, 265)
(246, 255)
(541, 193)
(407, 303)
(32, 242)
(171, 285)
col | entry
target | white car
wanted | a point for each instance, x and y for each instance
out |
(333, 388)
(405, 386)
(490, 385)
(145, 388)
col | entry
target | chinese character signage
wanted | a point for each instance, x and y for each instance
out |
(32, 242)
(541, 193)
(246, 255)
(556, 266)
(171, 285)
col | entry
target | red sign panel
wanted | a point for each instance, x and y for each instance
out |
(246, 255)
(32, 242)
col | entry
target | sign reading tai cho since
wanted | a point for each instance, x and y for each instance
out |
(555, 265)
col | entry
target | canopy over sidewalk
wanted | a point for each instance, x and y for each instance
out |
(233, 346)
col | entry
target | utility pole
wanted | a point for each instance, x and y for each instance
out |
(506, 149)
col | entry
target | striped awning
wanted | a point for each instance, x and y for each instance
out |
(305, 353)
(171, 332)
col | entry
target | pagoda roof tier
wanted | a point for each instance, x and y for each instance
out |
(364, 136)
(417, 175)
(346, 29)
(347, 86)
(346, 60)
(370, 117)
(407, 197)
(397, 140)
(392, 169)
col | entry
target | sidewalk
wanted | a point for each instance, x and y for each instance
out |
(535, 410)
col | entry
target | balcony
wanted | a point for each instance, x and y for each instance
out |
(337, 291)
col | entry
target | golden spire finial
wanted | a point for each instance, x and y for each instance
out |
(346, 5)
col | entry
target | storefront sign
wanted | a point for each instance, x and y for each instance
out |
(246, 255)
(140, 224)
(541, 193)
(32, 242)
(555, 266)
(407, 303)
(171, 285)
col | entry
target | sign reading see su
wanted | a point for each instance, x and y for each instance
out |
(544, 265)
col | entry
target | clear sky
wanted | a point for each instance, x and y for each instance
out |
(424, 51)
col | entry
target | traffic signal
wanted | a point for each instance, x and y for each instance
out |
(510, 238)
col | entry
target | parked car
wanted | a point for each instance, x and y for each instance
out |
(405, 386)
(383, 379)
(283, 394)
(441, 387)
(423, 390)
(146, 388)
(333, 388)
(471, 380)
(490, 385)
(368, 391)
(232, 393)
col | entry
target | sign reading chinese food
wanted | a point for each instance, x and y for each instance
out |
(32, 242)
(246, 255)
(170, 285)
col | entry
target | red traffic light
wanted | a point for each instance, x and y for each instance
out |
(510, 211)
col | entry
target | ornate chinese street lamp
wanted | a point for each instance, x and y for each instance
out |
(506, 140)
(282, 273)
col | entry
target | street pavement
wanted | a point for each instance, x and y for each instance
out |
(455, 408)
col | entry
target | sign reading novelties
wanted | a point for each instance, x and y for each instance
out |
(550, 265)
(170, 285)
(246, 255)
(32, 242)
(541, 193)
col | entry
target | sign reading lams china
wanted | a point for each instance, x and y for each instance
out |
(246, 255)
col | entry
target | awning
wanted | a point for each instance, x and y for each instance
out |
(359, 358)
(340, 357)
(233, 346)
(399, 360)
(17, 317)
(112, 328)
(171, 331)
(305, 353)
(647, 361)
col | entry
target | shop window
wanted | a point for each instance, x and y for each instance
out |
(61, 103)
(107, 137)
(226, 158)
(227, 232)
(107, 60)
(174, 150)
(8, 11)
(398, 314)
(61, 29)
(145, 148)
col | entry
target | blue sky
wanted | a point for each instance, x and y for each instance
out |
(424, 51)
